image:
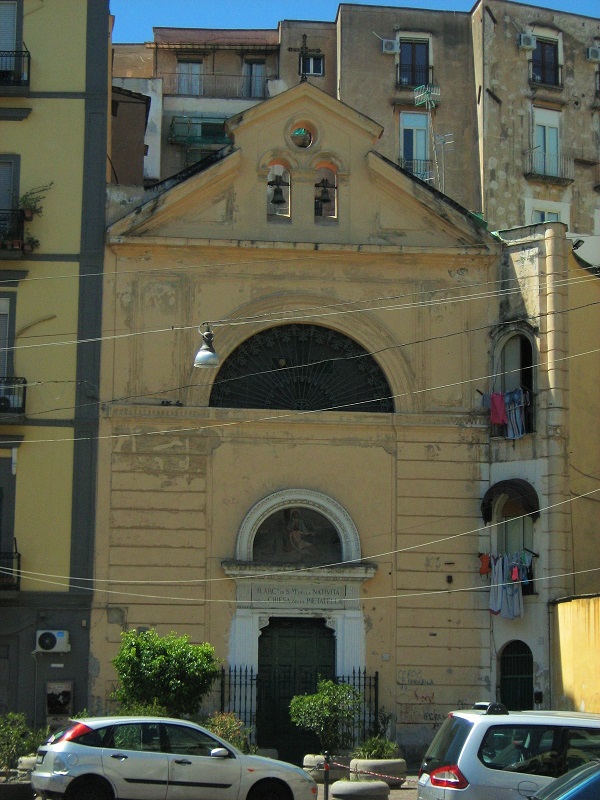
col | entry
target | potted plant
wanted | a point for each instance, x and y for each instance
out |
(378, 759)
(30, 244)
(31, 202)
(330, 713)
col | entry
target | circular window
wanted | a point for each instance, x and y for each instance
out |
(302, 136)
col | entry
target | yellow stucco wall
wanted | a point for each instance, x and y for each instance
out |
(576, 638)
(50, 143)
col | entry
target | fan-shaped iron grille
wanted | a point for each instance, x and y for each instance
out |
(303, 368)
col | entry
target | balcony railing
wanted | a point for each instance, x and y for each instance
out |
(211, 85)
(410, 75)
(198, 130)
(421, 168)
(11, 232)
(13, 393)
(10, 569)
(550, 166)
(545, 74)
(14, 68)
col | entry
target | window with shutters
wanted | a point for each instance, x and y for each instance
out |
(11, 222)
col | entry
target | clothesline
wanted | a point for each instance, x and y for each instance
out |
(508, 572)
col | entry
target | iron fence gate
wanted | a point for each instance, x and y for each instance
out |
(243, 690)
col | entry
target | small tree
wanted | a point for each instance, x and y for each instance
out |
(330, 713)
(165, 671)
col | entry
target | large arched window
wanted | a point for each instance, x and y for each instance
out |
(303, 368)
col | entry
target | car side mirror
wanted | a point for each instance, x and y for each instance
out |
(219, 752)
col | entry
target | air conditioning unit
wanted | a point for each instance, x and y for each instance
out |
(593, 53)
(527, 41)
(52, 642)
(390, 46)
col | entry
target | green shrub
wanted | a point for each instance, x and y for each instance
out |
(229, 727)
(376, 747)
(330, 713)
(163, 672)
(15, 738)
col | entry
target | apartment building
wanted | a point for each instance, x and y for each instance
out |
(498, 107)
(53, 113)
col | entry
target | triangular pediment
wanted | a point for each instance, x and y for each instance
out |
(377, 202)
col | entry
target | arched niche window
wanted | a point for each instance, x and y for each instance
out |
(303, 368)
(278, 192)
(297, 535)
(515, 380)
(326, 194)
(513, 505)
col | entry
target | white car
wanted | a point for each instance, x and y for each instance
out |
(147, 758)
(494, 754)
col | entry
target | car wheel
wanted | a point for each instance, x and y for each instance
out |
(270, 790)
(90, 790)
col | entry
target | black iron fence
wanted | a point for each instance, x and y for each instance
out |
(410, 75)
(10, 569)
(11, 228)
(13, 392)
(14, 67)
(242, 689)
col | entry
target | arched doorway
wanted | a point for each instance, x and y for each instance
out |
(516, 676)
(292, 654)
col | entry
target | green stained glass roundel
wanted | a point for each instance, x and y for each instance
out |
(302, 368)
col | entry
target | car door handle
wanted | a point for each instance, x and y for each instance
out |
(120, 756)
(182, 761)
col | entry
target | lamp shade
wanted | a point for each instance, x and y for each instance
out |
(206, 356)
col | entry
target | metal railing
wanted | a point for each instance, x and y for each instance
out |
(549, 165)
(10, 569)
(11, 229)
(14, 67)
(13, 393)
(243, 688)
(419, 167)
(197, 130)
(212, 85)
(409, 75)
(545, 74)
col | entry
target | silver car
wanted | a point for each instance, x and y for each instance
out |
(147, 758)
(493, 754)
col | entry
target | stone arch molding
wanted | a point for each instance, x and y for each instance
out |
(301, 498)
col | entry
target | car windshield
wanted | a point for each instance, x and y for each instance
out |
(447, 744)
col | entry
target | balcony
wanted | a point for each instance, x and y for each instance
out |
(547, 75)
(14, 72)
(410, 75)
(198, 131)
(10, 570)
(549, 167)
(11, 233)
(421, 168)
(213, 85)
(13, 393)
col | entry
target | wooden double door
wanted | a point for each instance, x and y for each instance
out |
(292, 654)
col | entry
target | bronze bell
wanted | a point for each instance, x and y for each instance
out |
(278, 199)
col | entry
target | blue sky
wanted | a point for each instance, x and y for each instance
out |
(134, 19)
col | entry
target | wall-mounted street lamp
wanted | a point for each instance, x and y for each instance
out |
(206, 356)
